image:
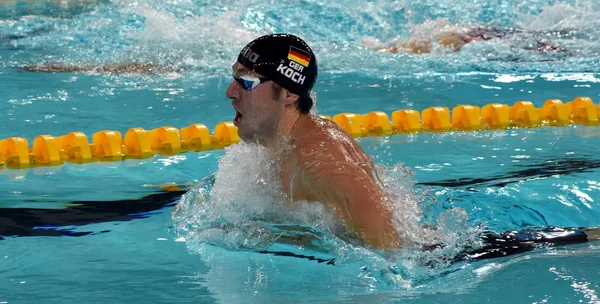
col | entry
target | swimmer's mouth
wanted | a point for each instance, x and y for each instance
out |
(238, 118)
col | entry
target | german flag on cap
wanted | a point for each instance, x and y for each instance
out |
(299, 56)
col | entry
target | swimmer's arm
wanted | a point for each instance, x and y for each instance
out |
(54, 67)
(412, 46)
(349, 189)
(58, 67)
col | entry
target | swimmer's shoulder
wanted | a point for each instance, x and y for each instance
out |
(314, 129)
(323, 140)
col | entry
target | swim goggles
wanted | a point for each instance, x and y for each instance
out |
(248, 82)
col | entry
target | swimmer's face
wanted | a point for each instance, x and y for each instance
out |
(257, 110)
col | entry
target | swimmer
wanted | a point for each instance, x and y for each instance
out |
(270, 92)
(453, 38)
(319, 162)
(120, 68)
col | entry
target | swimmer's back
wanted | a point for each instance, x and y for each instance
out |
(330, 167)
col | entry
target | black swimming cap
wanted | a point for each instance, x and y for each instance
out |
(285, 59)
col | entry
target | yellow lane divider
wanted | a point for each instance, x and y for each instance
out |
(138, 143)
(111, 146)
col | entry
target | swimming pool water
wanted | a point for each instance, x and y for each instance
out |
(508, 179)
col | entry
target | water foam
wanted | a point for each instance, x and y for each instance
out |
(207, 38)
(562, 16)
(245, 210)
(207, 42)
(246, 192)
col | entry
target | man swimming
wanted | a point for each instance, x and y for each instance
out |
(453, 38)
(319, 162)
(118, 68)
(273, 79)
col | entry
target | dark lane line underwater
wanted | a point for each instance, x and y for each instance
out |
(28, 222)
(21, 222)
(547, 169)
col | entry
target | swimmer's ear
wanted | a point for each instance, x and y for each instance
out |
(289, 97)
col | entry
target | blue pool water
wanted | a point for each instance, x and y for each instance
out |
(79, 234)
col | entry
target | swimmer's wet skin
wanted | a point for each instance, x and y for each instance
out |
(270, 92)
(455, 39)
(320, 162)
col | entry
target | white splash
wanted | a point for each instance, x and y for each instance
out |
(245, 209)
(563, 16)
(246, 193)
(214, 31)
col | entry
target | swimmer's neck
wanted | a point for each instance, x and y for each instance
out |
(287, 129)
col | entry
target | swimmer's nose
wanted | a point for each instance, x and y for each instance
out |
(232, 90)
